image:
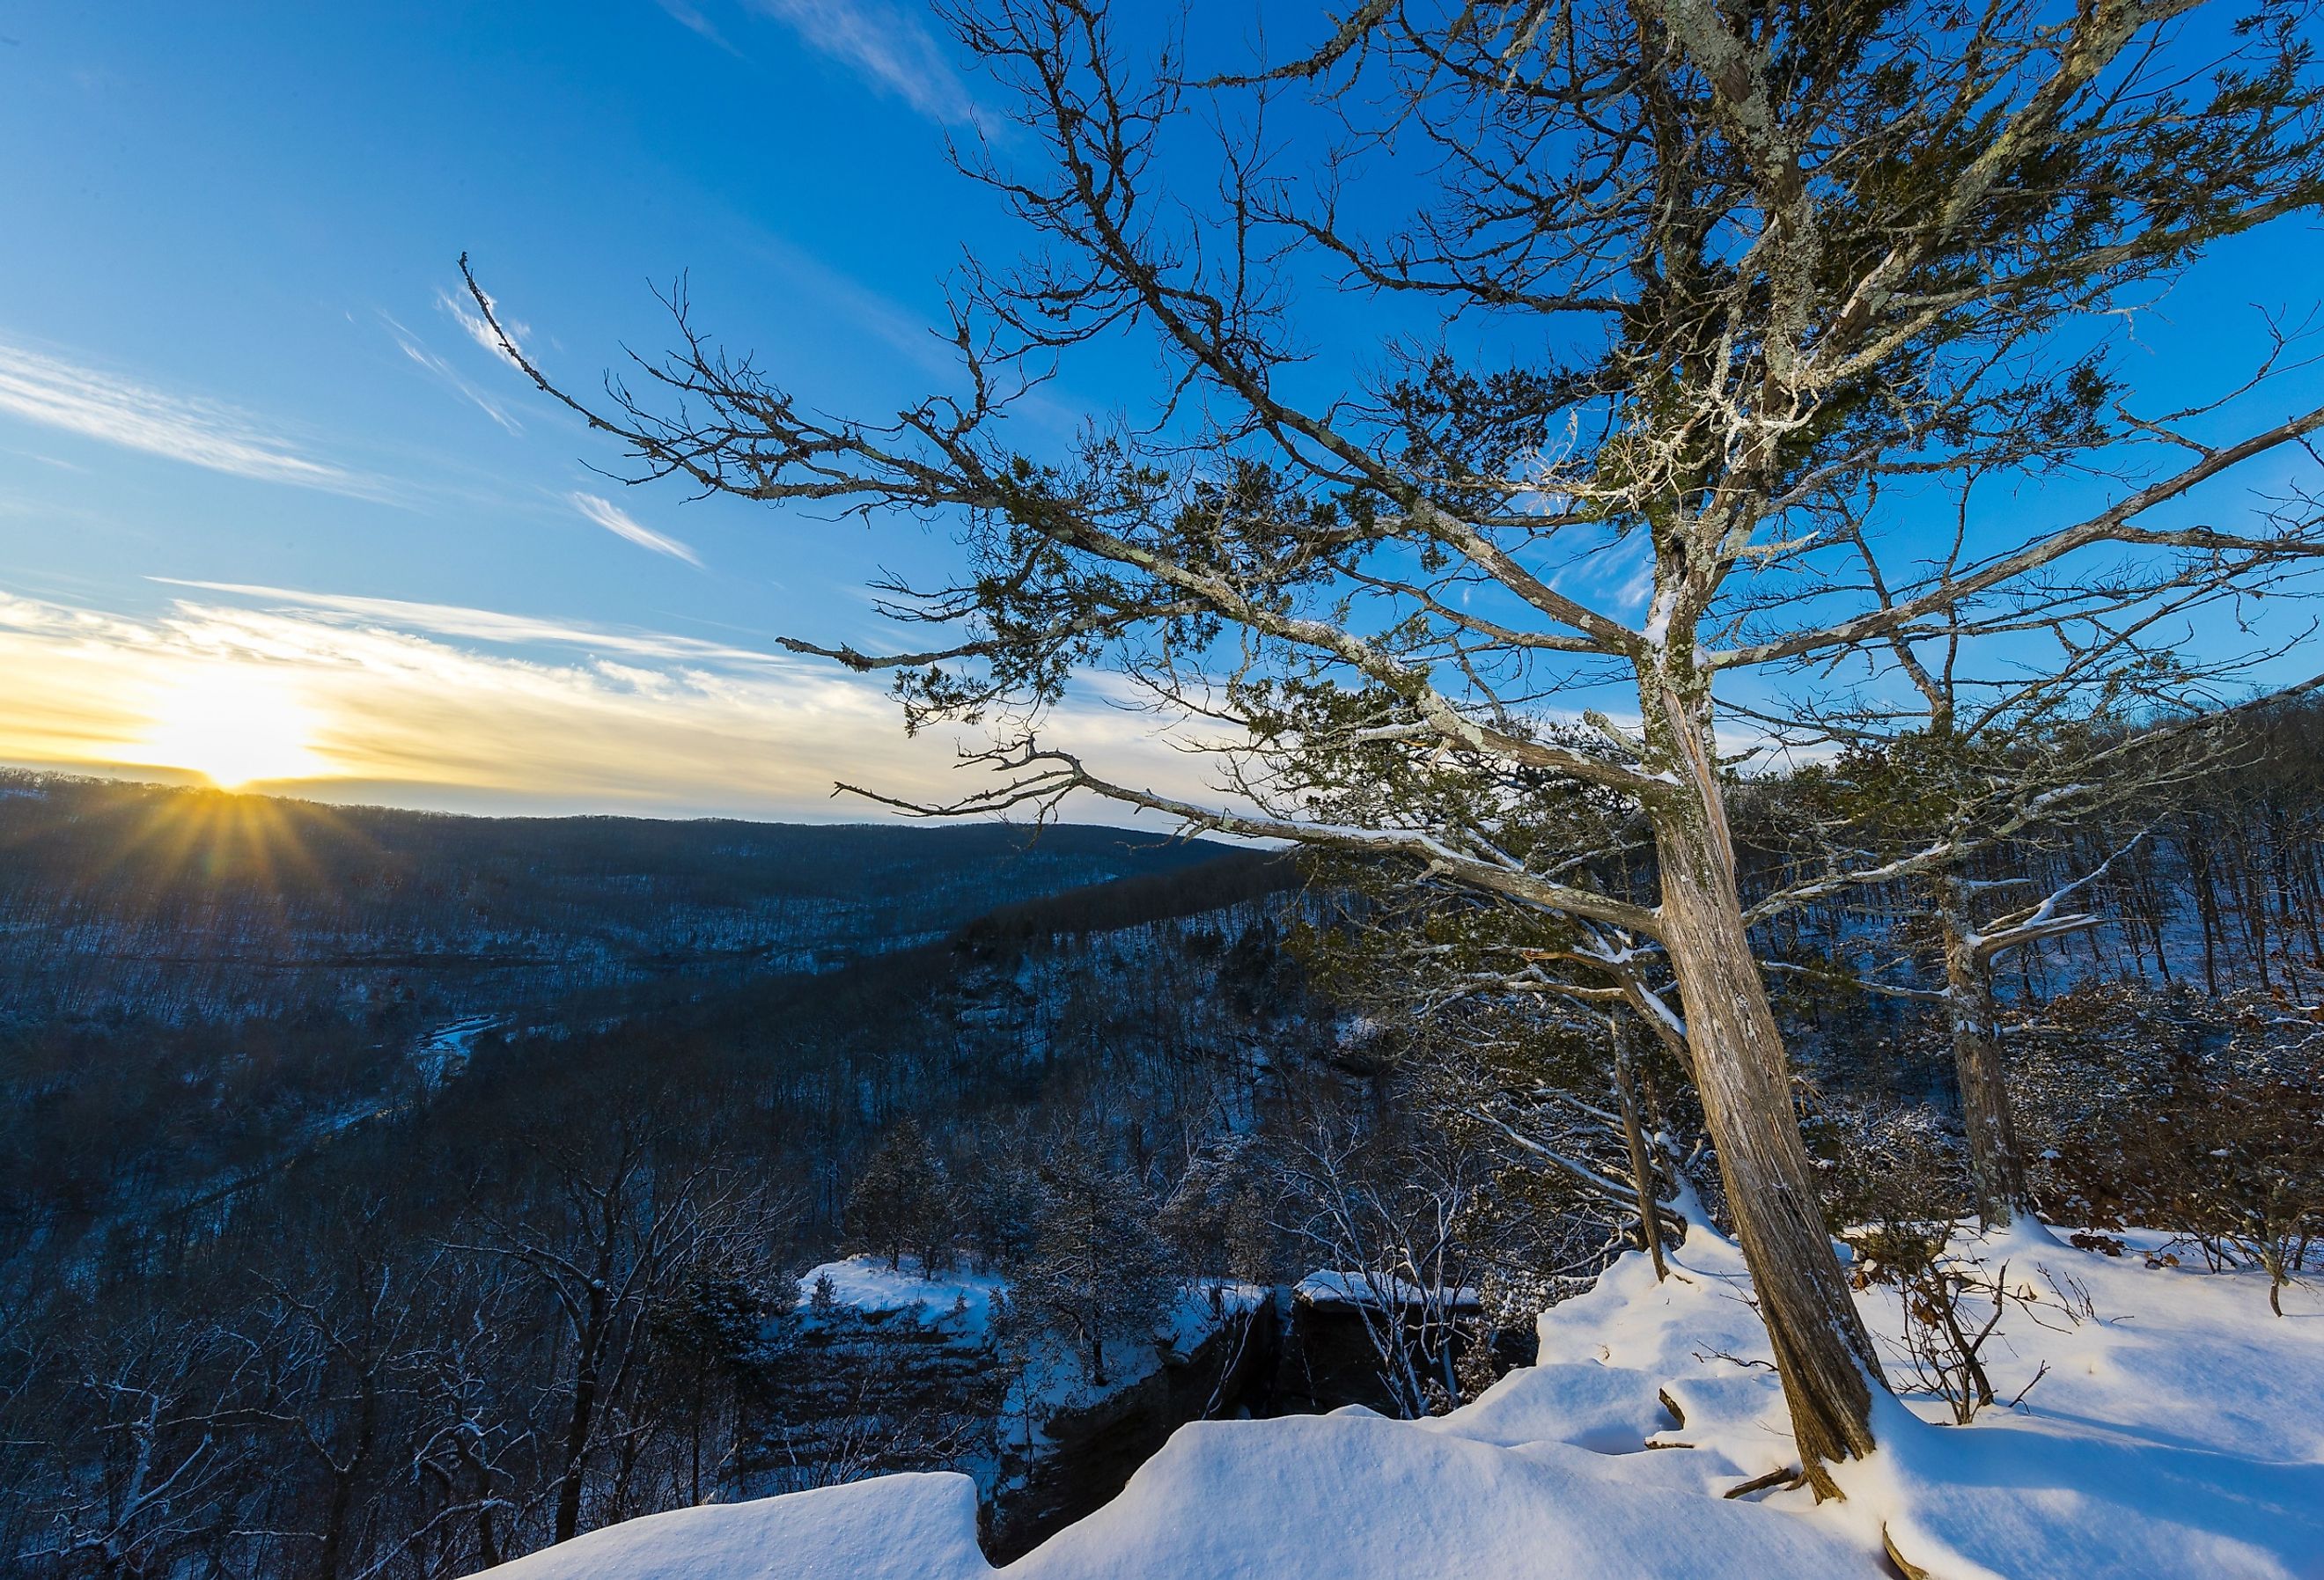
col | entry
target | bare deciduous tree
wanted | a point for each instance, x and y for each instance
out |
(619, 1227)
(1676, 293)
(1389, 1212)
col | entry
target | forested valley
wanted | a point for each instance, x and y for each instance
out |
(1595, 756)
(598, 1198)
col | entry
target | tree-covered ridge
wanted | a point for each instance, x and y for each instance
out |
(186, 906)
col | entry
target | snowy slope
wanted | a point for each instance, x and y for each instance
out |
(961, 1302)
(915, 1527)
(2178, 1430)
(1355, 1494)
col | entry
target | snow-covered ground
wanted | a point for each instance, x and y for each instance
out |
(2176, 1429)
(960, 1306)
(443, 1052)
(960, 1302)
(1334, 1286)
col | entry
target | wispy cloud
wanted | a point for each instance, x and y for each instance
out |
(621, 524)
(473, 624)
(886, 45)
(376, 699)
(48, 460)
(690, 17)
(450, 376)
(473, 325)
(118, 411)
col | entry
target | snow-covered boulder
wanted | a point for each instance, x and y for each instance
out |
(867, 1285)
(1353, 1494)
(914, 1526)
(2169, 1426)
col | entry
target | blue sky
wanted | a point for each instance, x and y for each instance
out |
(261, 207)
(261, 484)
(231, 352)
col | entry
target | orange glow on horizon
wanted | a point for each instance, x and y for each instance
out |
(233, 726)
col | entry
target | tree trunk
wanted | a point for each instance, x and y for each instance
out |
(1822, 1352)
(580, 1419)
(1997, 1165)
(343, 1481)
(488, 1546)
(1642, 1173)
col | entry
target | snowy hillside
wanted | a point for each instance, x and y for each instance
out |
(2168, 1425)
(188, 906)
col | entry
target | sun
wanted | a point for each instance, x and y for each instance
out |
(234, 727)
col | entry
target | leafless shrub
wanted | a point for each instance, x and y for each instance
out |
(2208, 1121)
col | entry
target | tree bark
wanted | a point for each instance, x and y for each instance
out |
(488, 1545)
(1997, 1165)
(340, 1509)
(1642, 1173)
(581, 1417)
(1822, 1352)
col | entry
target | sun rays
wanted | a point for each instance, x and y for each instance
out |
(234, 726)
(456, 708)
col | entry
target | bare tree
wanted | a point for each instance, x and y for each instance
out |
(338, 1355)
(1674, 291)
(162, 1401)
(461, 1453)
(1390, 1208)
(619, 1230)
(1952, 790)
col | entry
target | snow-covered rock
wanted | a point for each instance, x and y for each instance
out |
(1337, 1286)
(913, 1527)
(961, 1301)
(2177, 1428)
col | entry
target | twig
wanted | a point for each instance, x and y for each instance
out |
(1789, 1476)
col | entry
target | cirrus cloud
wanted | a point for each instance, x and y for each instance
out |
(113, 409)
(886, 46)
(623, 524)
(460, 708)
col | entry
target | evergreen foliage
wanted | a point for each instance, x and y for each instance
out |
(902, 1202)
(1099, 1270)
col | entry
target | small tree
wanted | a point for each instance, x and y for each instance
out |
(999, 1199)
(1389, 1199)
(1219, 1220)
(707, 1333)
(1099, 1270)
(902, 1202)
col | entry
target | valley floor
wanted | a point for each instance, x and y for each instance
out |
(2170, 1425)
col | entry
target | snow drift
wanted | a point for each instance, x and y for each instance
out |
(2170, 1426)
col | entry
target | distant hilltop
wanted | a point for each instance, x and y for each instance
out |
(195, 904)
